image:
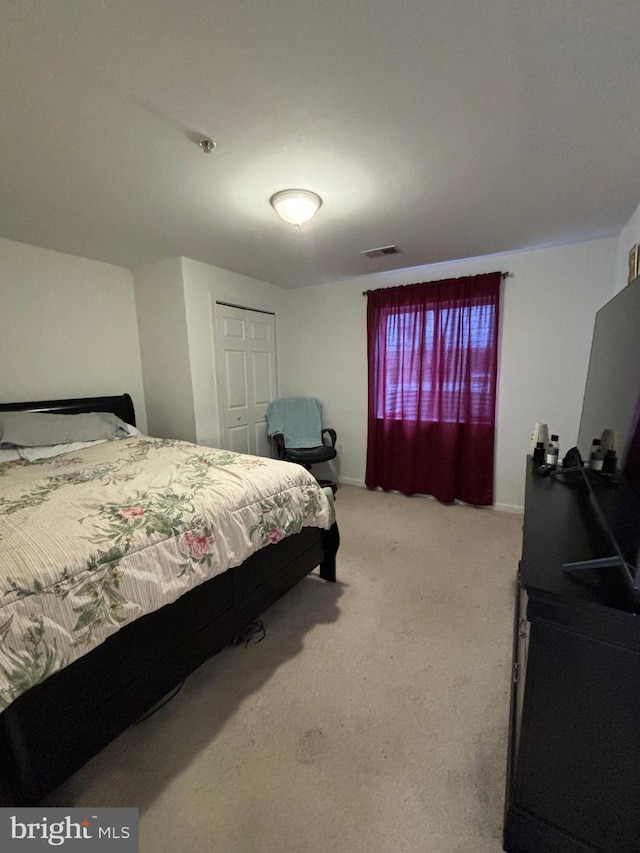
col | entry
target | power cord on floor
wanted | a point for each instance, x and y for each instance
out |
(246, 635)
(161, 703)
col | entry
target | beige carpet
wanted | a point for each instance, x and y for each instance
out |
(372, 717)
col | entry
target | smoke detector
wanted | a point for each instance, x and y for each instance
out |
(206, 144)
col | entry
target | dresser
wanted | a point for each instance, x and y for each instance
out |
(573, 776)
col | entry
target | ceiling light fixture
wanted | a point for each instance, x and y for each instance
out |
(296, 206)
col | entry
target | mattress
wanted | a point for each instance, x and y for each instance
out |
(94, 539)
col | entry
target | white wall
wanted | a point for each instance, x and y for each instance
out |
(203, 286)
(67, 327)
(162, 326)
(547, 321)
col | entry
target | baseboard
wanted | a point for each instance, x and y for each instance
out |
(509, 508)
(499, 507)
(350, 481)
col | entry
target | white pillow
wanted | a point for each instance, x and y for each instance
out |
(31, 454)
(48, 451)
(44, 429)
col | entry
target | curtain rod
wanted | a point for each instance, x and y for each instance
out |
(503, 275)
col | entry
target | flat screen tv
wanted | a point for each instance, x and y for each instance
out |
(612, 402)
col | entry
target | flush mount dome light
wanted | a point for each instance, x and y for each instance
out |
(296, 206)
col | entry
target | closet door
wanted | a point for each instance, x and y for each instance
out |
(247, 380)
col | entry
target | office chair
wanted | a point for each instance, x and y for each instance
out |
(294, 425)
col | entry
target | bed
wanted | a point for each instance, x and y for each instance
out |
(94, 656)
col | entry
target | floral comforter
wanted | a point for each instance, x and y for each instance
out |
(91, 540)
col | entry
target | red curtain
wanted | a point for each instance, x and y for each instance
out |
(433, 354)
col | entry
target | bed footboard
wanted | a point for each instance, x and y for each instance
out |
(331, 543)
(53, 729)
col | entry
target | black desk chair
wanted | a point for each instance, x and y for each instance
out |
(294, 425)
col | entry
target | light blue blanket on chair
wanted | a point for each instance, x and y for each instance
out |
(299, 419)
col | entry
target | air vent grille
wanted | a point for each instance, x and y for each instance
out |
(381, 251)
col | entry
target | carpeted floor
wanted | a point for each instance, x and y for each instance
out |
(372, 717)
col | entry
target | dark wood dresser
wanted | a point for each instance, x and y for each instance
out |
(573, 776)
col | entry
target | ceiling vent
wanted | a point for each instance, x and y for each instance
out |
(381, 251)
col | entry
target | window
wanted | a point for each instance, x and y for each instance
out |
(432, 378)
(411, 389)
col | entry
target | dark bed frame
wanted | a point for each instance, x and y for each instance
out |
(54, 728)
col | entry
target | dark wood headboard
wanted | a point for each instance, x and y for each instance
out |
(121, 406)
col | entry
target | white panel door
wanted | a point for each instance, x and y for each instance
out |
(247, 381)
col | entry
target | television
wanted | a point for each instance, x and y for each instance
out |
(612, 403)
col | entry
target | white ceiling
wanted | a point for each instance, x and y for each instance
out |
(454, 128)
